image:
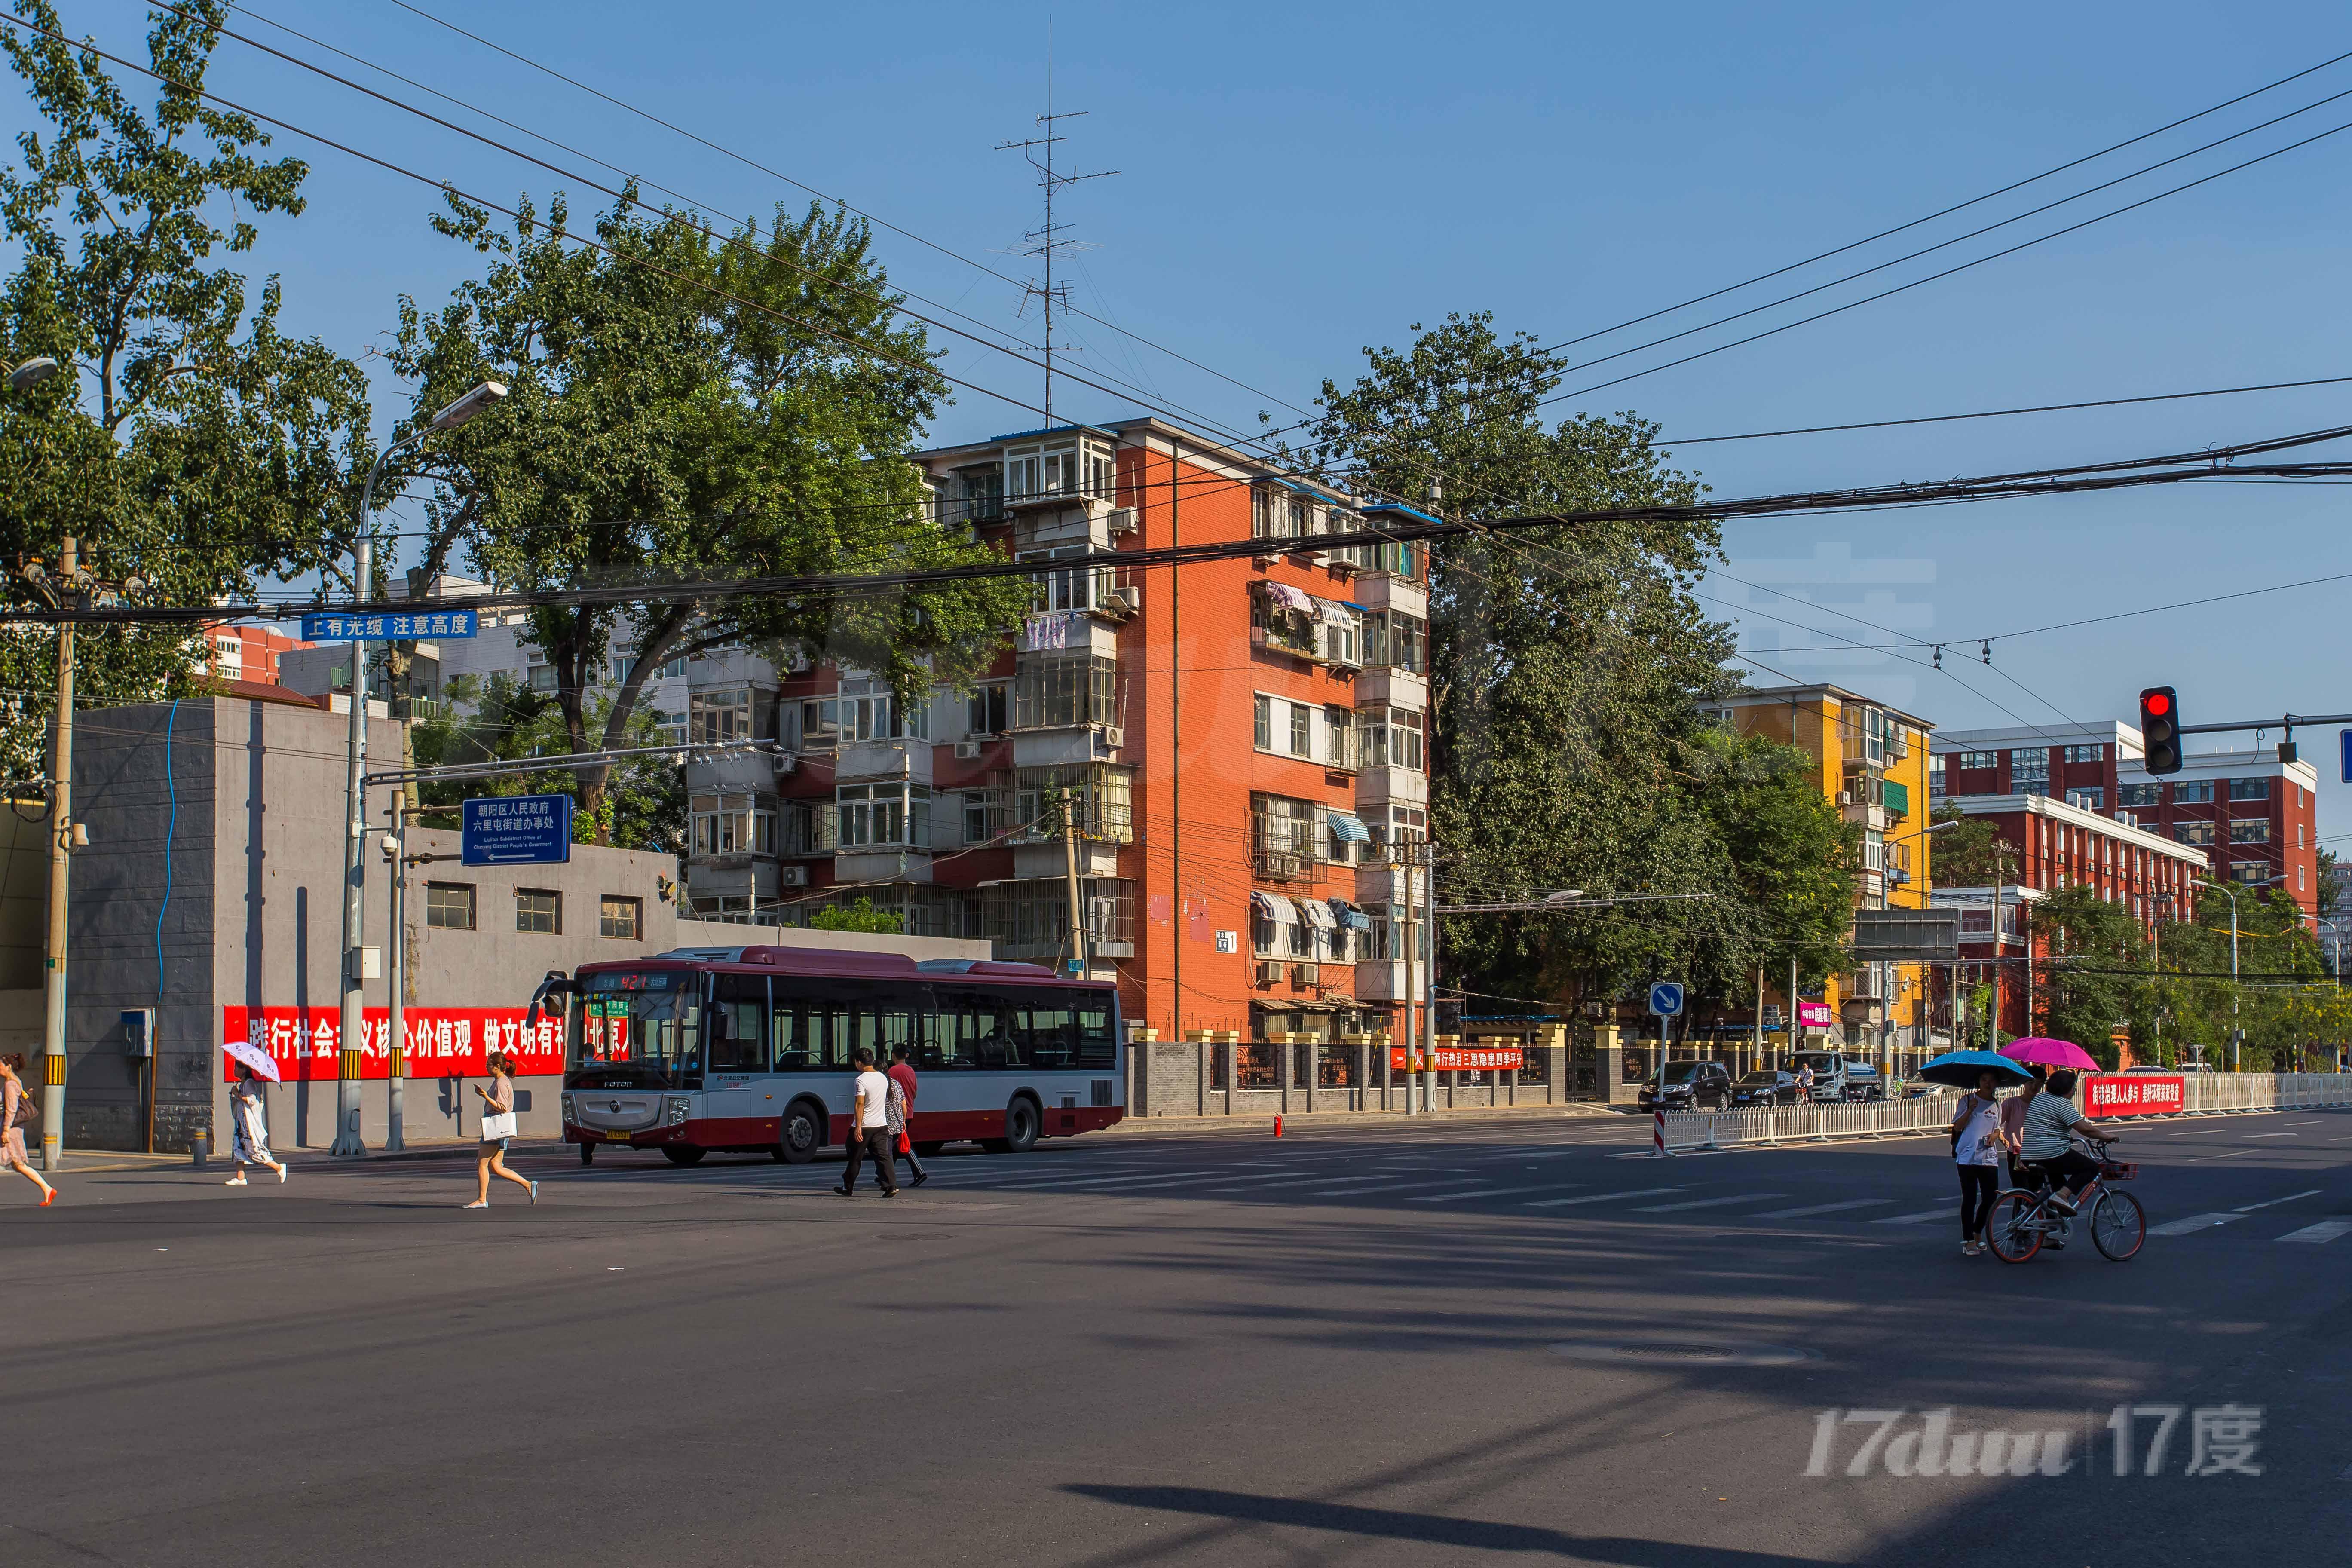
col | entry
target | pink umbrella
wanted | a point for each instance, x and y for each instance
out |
(2049, 1053)
(253, 1055)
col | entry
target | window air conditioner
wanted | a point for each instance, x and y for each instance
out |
(792, 875)
(1306, 973)
(967, 750)
(1268, 971)
(1845, 797)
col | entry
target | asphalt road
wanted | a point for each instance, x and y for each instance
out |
(1370, 1344)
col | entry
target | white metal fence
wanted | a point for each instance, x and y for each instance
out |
(2203, 1094)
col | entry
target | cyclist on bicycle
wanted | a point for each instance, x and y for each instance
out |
(2050, 1124)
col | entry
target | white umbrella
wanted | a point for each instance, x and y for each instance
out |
(262, 1063)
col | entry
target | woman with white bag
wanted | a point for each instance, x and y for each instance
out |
(497, 1126)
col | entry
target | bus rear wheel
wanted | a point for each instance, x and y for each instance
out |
(925, 1150)
(683, 1153)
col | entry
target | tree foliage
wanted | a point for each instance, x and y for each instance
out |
(683, 406)
(859, 916)
(1567, 665)
(192, 442)
(1972, 855)
(642, 806)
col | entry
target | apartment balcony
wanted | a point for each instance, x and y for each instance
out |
(909, 759)
(1380, 979)
(734, 773)
(1382, 686)
(1384, 786)
(1387, 591)
(881, 863)
(1057, 518)
(1095, 858)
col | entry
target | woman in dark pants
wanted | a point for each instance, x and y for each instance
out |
(1977, 1148)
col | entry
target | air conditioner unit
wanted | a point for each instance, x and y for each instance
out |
(1845, 797)
(1306, 973)
(788, 762)
(1268, 971)
(967, 750)
(1114, 736)
(1122, 519)
(792, 875)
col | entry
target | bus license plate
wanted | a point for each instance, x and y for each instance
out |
(617, 1136)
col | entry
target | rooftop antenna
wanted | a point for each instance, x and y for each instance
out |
(1044, 242)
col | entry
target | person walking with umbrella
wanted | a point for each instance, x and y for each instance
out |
(249, 1129)
(15, 1115)
(1977, 1146)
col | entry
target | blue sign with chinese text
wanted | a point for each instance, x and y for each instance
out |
(2344, 743)
(518, 830)
(338, 626)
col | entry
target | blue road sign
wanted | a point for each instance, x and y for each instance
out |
(2343, 747)
(518, 830)
(1665, 997)
(337, 626)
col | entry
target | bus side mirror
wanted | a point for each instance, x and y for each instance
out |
(556, 984)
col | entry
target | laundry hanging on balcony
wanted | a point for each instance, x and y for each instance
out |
(1052, 629)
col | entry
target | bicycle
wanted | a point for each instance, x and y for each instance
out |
(2023, 1219)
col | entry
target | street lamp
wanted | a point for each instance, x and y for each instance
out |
(2237, 1036)
(1885, 891)
(354, 1022)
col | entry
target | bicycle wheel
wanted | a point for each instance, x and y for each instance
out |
(2119, 1226)
(2012, 1229)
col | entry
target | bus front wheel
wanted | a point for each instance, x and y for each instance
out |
(683, 1153)
(1021, 1126)
(587, 1153)
(803, 1134)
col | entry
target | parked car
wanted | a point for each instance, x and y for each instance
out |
(1690, 1086)
(1765, 1087)
(2184, 1067)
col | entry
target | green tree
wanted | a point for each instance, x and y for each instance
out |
(1972, 855)
(859, 916)
(1566, 662)
(689, 406)
(193, 442)
(643, 806)
(2087, 972)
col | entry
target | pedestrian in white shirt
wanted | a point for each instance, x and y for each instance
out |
(1977, 1148)
(869, 1130)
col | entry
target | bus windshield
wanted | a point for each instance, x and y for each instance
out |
(645, 1017)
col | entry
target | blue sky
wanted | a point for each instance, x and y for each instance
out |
(1299, 181)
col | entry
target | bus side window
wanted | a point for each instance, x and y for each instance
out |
(739, 1019)
(1054, 1036)
(1098, 1047)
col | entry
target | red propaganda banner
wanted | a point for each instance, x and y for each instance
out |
(443, 1042)
(2134, 1094)
(1455, 1058)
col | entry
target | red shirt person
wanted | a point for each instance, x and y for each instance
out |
(902, 1074)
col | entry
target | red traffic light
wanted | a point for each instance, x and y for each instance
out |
(2158, 703)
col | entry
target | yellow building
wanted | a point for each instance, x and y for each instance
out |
(1873, 760)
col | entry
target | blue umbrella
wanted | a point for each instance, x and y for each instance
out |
(1960, 1069)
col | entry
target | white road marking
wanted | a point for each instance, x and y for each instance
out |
(1822, 1208)
(1113, 1181)
(2193, 1223)
(1708, 1202)
(2325, 1231)
(2249, 1208)
(1492, 1192)
(1599, 1198)
(2227, 1155)
(1384, 1187)
(2274, 1134)
(1945, 1212)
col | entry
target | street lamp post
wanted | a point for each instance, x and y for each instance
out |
(1886, 893)
(354, 1019)
(2237, 1035)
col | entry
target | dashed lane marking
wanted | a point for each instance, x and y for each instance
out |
(1599, 1198)
(2195, 1222)
(2325, 1231)
(1812, 1209)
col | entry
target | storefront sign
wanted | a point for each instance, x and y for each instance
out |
(2134, 1094)
(1813, 1015)
(1455, 1058)
(443, 1042)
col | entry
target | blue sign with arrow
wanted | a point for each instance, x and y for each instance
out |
(516, 830)
(1665, 997)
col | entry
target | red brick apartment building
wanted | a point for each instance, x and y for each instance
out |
(245, 653)
(2248, 815)
(1245, 739)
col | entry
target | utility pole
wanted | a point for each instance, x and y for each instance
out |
(1429, 974)
(1411, 1036)
(1070, 861)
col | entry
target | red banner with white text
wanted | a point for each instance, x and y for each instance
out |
(2134, 1094)
(1455, 1058)
(443, 1042)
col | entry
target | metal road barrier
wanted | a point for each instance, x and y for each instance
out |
(2201, 1094)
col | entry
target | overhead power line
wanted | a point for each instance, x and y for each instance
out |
(2091, 477)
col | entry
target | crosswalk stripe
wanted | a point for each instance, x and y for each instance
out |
(1708, 1202)
(2273, 1202)
(1599, 1198)
(1491, 1191)
(1112, 1181)
(2194, 1221)
(1922, 1217)
(1822, 1208)
(2325, 1231)
(1382, 1187)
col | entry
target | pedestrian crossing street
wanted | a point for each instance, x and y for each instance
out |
(1485, 1179)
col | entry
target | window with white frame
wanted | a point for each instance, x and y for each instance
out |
(1080, 585)
(820, 724)
(720, 716)
(985, 815)
(1391, 738)
(1302, 729)
(869, 710)
(985, 707)
(733, 824)
(1338, 738)
(1394, 640)
(1262, 721)
(894, 815)
(539, 677)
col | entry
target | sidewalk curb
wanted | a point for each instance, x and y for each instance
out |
(1299, 1121)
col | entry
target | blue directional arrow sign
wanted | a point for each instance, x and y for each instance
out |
(1665, 997)
(516, 830)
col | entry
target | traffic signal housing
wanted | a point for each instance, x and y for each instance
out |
(2159, 730)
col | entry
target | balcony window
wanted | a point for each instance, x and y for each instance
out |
(1031, 917)
(1101, 794)
(1396, 641)
(732, 824)
(984, 711)
(1054, 692)
(1288, 835)
(809, 827)
(891, 816)
(1262, 721)
(820, 723)
(1338, 738)
(985, 815)
(2029, 769)
(1078, 587)
(982, 493)
(868, 711)
(1391, 738)
(719, 717)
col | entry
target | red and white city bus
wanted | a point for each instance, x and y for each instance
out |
(749, 1049)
